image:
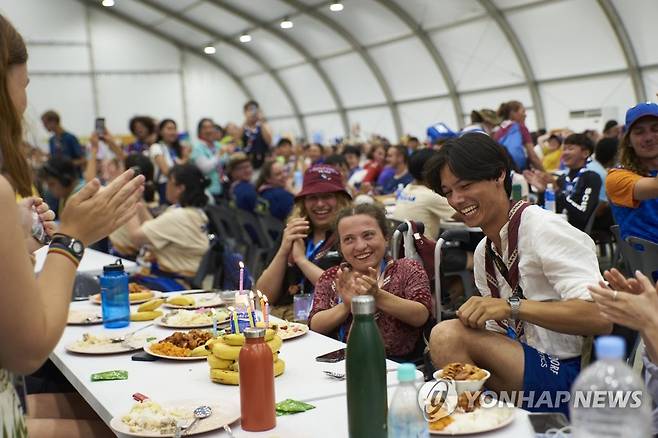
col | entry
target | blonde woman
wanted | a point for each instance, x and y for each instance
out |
(309, 244)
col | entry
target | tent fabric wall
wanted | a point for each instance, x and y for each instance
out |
(366, 64)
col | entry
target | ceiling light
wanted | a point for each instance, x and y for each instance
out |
(209, 50)
(336, 7)
(245, 38)
(108, 3)
(286, 23)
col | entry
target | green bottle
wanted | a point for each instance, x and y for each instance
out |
(366, 373)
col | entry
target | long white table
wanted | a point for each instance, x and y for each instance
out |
(92, 262)
(165, 380)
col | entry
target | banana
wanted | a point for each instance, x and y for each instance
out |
(140, 296)
(275, 357)
(150, 305)
(145, 316)
(235, 366)
(269, 334)
(233, 339)
(224, 376)
(181, 300)
(219, 364)
(225, 351)
(275, 344)
(279, 367)
(199, 351)
(210, 342)
(229, 377)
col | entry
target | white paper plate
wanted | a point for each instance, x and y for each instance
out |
(162, 322)
(210, 299)
(134, 343)
(289, 333)
(96, 299)
(224, 413)
(84, 317)
(147, 348)
(475, 422)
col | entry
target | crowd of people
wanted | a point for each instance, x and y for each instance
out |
(540, 288)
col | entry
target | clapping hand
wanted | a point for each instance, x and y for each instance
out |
(366, 284)
(345, 286)
(632, 302)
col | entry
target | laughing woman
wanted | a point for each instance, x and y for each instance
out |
(309, 244)
(401, 288)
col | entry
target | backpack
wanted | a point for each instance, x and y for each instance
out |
(513, 142)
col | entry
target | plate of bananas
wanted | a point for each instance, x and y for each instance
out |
(181, 346)
(194, 301)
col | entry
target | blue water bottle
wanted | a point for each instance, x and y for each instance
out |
(114, 296)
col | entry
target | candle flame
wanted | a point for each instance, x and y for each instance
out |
(265, 298)
(251, 294)
(240, 264)
(259, 293)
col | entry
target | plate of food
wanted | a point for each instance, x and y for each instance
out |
(194, 301)
(289, 330)
(187, 319)
(107, 344)
(181, 346)
(84, 317)
(462, 411)
(151, 419)
(137, 294)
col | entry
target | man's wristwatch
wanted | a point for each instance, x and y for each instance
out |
(71, 245)
(515, 304)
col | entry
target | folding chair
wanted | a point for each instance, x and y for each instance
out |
(624, 252)
(645, 257)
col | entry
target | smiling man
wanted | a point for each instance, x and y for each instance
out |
(633, 188)
(532, 271)
(578, 189)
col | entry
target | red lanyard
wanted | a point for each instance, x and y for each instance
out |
(510, 272)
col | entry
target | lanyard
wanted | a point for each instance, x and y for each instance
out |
(510, 272)
(312, 250)
(569, 184)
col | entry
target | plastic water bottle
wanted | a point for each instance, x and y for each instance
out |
(405, 420)
(298, 180)
(115, 301)
(398, 191)
(549, 198)
(608, 399)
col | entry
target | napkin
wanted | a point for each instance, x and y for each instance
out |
(290, 406)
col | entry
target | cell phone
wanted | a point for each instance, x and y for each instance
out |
(543, 421)
(334, 356)
(143, 356)
(100, 126)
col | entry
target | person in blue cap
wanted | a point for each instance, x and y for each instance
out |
(439, 133)
(633, 187)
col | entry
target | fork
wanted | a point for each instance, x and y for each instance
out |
(342, 376)
(123, 338)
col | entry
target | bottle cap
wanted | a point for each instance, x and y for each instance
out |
(610, 347)
(114, 267)
(254, 332)
(407, 372)
(363, 305)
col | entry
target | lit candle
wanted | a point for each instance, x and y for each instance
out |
(266, 312)
(252, 303)
(252, 323)
(262, 304)
(241, 276)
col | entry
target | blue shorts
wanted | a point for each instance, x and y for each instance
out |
(545, 373)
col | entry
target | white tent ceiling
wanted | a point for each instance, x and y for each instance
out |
(395, 65)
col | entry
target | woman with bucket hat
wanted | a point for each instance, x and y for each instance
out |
(308, 244)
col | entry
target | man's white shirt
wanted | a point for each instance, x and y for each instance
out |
(556, 263)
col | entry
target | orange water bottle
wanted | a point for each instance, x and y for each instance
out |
(256, 382)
